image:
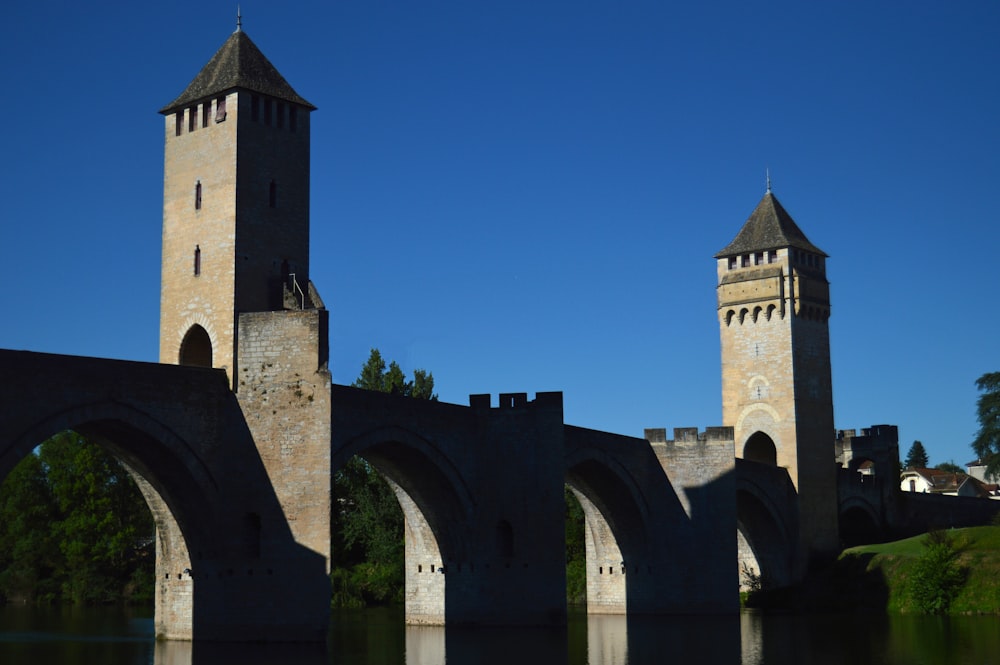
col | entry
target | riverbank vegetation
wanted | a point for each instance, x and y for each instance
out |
(943, 572)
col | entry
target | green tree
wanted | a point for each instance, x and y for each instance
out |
(936, 577)
(376, 376)
(917, 457)
(29, 553)
(368, 523)
(949, 466)
(987, 441)
(74, 527)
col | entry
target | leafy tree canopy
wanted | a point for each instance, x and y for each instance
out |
(917, 457)
(949, 466)
(368, 522)
(376, 376)
(73, 526)
(987, 441)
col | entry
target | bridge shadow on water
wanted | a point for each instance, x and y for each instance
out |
(372, 637)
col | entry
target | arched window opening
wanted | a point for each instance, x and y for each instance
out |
(196, 349)
(760, 448)
(505, 540)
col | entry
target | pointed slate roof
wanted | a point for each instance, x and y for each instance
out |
(237, 64)
(769, 227)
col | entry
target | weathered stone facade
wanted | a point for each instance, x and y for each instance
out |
(774, 304)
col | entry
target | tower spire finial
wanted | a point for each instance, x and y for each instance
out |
(767, 173)
(239, 19)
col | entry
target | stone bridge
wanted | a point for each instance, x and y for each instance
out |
(181, 432)
(481, 487)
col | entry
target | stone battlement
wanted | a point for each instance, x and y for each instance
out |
(516, 400)
(690, 435)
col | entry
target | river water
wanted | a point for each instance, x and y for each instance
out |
(87, 636)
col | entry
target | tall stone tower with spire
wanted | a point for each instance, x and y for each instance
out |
(774, 307)
(236, 295)
(235, 204)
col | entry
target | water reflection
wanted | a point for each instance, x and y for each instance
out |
(379, 637)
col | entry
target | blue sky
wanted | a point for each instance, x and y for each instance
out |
(526, 196)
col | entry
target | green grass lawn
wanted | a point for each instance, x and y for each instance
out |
(978, 555)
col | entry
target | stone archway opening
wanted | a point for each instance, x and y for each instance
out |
(196, 348)
(616, 562)
(760, 448)
(763, 557)
(79, 542)
(420, 508)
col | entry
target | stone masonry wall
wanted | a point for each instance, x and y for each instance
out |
(283, 387)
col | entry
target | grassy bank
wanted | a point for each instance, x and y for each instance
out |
(899, 576)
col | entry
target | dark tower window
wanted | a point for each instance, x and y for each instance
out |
(179, 124)
(280, 113)
(267, 111)
(197, 195)
(196, 349)
(772, 256)
(293, 118)
(732, 262)
(197, 260)
(272, 194)
(220, 109)
(760, 448)
(206, 111)
(254, 108)
(192, 118)
(505, 540)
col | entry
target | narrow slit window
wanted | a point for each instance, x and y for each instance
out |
(272, 195)
(267, 111)
(206, 112)
(192, 118)
(197, 260)
(293, 119)
(197, 195)
(280, 113)
(255, 108)
(220, 109)
(179, 123)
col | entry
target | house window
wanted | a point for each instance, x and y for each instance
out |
(206, 111)
(197, 195)
(272, 195)
(293, 118)
(913, 485)
(192, 118)
(280, 113)
(220, 109)
(254, 108)
(197, 260)
(179, 124)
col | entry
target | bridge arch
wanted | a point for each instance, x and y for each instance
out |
(767, 524)
(859, 522)
(616, 519)
(437, 508)
(179, 490)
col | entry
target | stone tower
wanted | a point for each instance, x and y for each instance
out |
(235, 204)
(236, 295)
(774, 307)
